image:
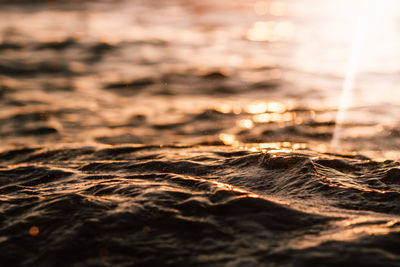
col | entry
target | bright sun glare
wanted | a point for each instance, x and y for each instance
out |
(368, 20)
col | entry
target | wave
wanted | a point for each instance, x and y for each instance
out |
(96, 206)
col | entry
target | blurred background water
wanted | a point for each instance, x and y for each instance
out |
(293, 52)
(163, 61)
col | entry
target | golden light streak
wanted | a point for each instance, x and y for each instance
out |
(270, 31)
(246, 123)
(282, 150)
(228, 139)
(276, 107)
(257, 107)
(274, 147)
(224, 108)
(353, 228)
(273, 117)
(261, 107)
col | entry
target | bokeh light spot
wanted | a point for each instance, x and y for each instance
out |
(34, 231)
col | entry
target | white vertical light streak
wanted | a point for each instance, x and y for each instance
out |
(362, 23)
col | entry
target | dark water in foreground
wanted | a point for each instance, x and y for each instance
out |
(199, 137)
(202, 205)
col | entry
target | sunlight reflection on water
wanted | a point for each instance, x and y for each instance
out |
(269, 57)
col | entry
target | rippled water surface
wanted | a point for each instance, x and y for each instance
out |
(140, 133)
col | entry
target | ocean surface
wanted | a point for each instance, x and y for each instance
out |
(199, 133)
